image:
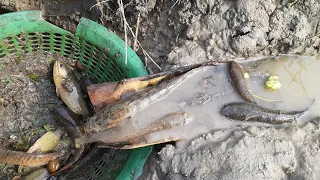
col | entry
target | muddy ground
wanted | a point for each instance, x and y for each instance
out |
(176, 33)
(27, 95)
(27, 101)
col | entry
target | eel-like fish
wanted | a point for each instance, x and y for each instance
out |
(70, 121)
(26, 159)
(239, 83)
(39, 174)
(121, 134)
(243, 111)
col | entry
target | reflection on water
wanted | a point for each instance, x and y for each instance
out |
(298, 76)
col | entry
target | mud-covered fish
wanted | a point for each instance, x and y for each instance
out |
(46, 143)
(39, 174)
(134, 135)
(68, 89)
(26, 159)
(69, 121)
(243, 111)
(239, 83)
(121, 111)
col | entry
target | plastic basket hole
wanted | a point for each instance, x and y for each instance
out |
(68, 44)
(67, 51)
(68, 48)
(90, 178)
(98, 172)
(57, 49)
(69, 41)
(85, 54)
(108, 75)
(57, 46)
(75, 56)
(57, 38)
(85, 63)
(101, 69)
(2, 55)
(32, 34)
(87, 45)
(35, 49)
(94, 62)
(99, 76)
(101, 163)
(10, 42)
(112, 156)
(34, 38)
(21, 37)
(7, 39)
(12, 51)
(45, 42)
(57, 35)
(57, 42)
(46, 45)
(46, 38)
(45, 34)
(10, 47)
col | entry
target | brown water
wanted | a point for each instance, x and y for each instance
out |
(299, 77)
(205, 90)
(201, 95)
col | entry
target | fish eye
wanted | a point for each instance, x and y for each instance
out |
(61, 65)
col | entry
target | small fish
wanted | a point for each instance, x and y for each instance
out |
(70, 121)
(243, 111)
(68, 89)
(46, 143)
(26, 159)
(39, 174)
(239, 83)
(120, 134)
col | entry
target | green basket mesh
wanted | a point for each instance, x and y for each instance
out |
(103, 55)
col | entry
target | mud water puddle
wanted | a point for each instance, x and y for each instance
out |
(298, 76)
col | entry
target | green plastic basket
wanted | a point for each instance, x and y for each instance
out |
(103, 55)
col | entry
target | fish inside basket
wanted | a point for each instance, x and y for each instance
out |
(28, 48)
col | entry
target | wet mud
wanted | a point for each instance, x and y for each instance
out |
(27, 101)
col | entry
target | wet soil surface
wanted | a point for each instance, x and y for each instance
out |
(27, 93)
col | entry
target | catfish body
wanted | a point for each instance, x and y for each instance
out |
(239, 83)
(132, 135)
(243, 111)
(26, 159)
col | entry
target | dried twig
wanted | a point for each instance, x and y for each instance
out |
(143, 50)
(120, 3)
(98, 4)
(137, 31)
